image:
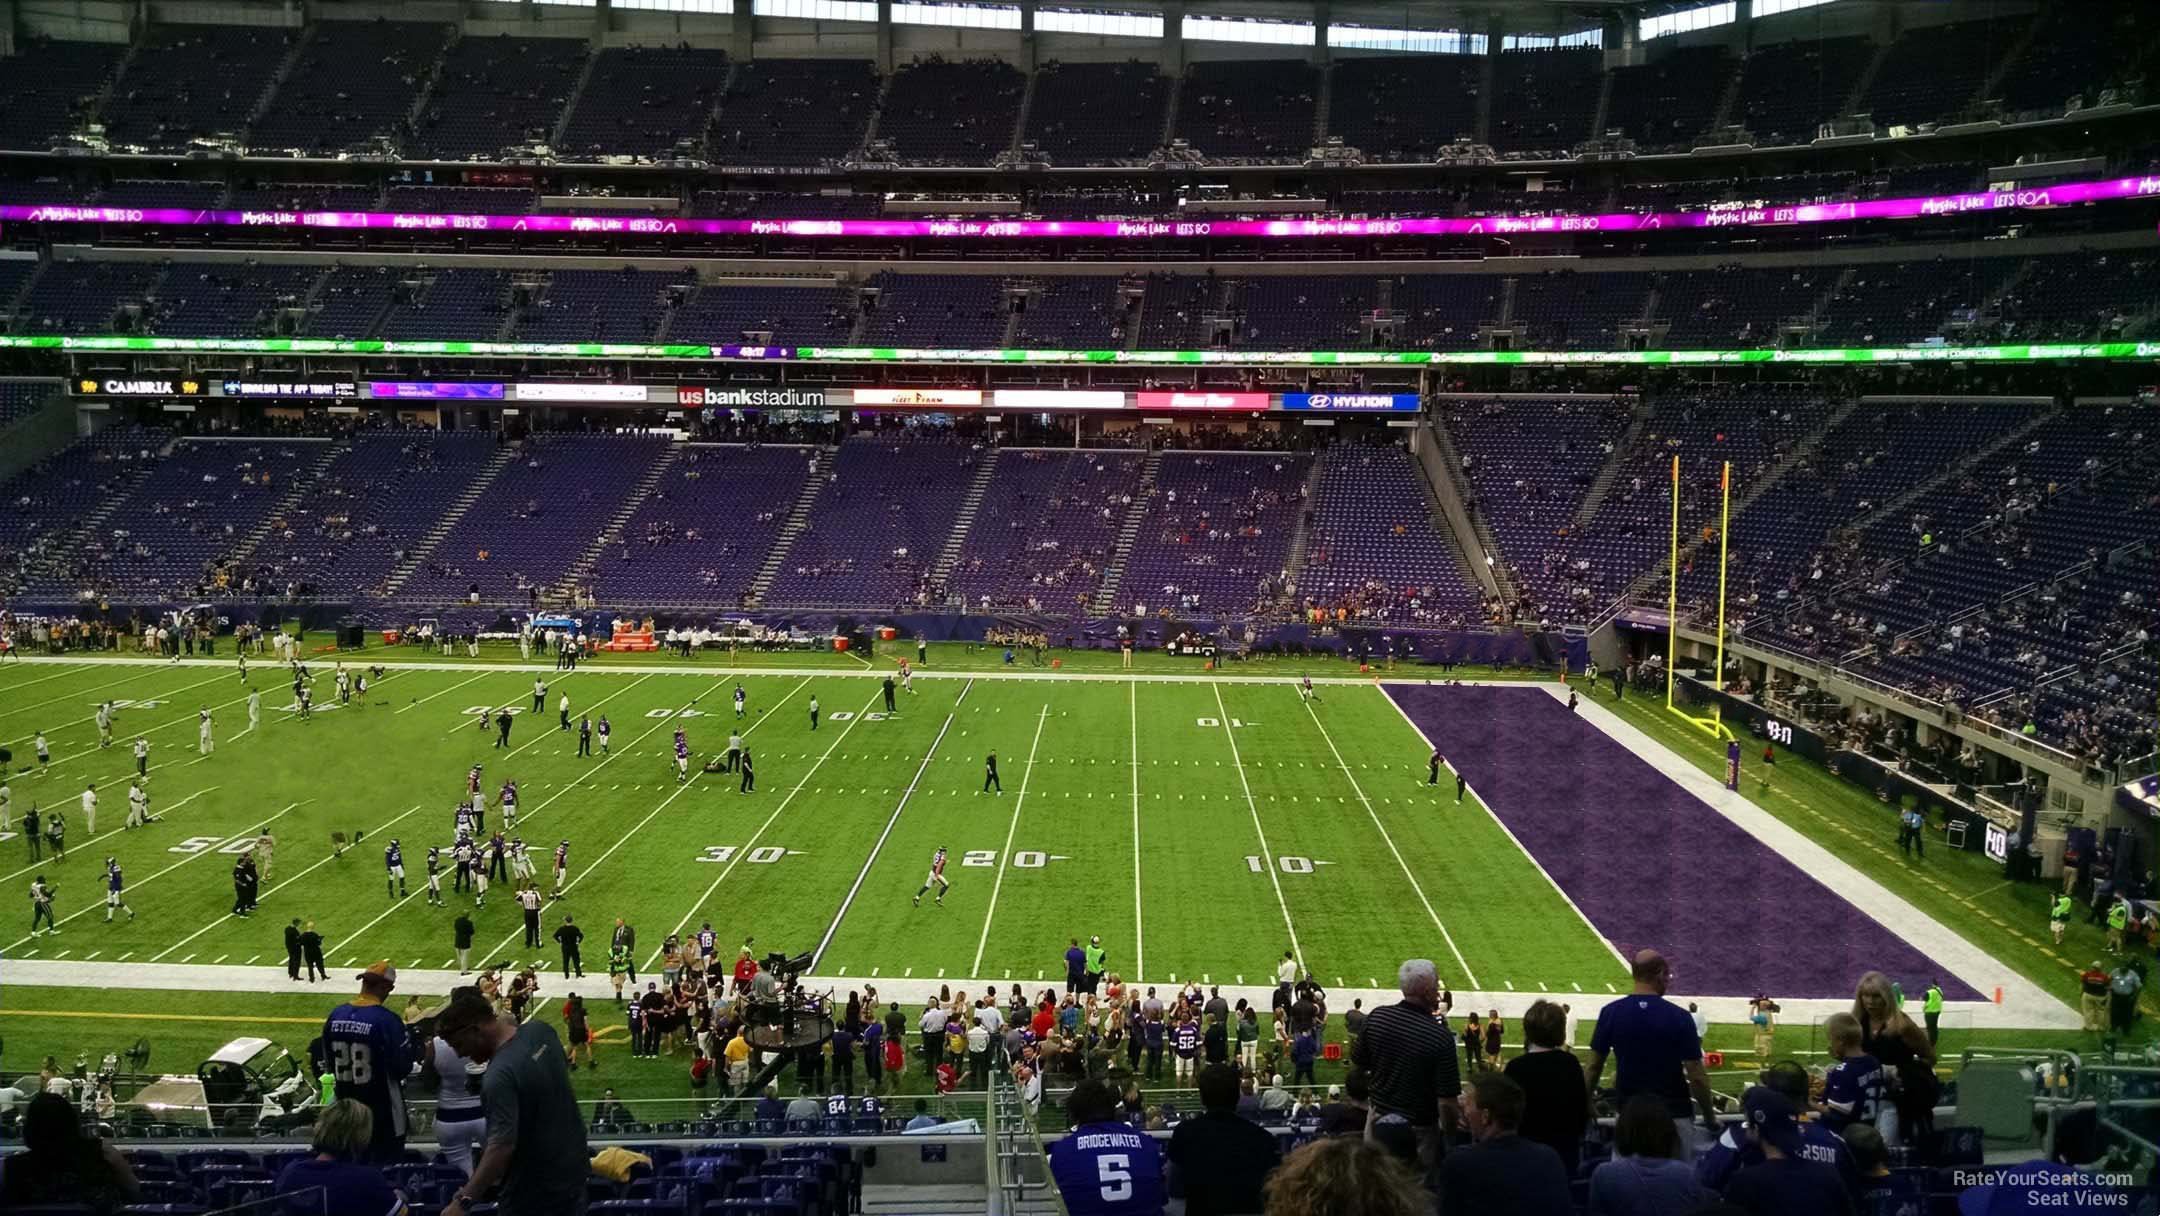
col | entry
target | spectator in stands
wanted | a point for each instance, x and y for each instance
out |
(1339, 1175)
(1556, 1103)
(59, 1164)
(1644, 1177)
(1657, 1049)
(337, 1181)
(923, 1118)
(1902, 1048)
(1732, 1151)
(1500, 1171)
(536, 1143)
(1408, 1056)
(1220, 1158)
(1784, 1182)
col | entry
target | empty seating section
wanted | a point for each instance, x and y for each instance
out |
(49, 501)
(1544, 101)
(725, 204)
(150, 193)
(1075, 313)
(186, 81)
(945, 112)
(1788, 88)
(794, 111)
(1217, 526)
(1734, 306)
(1443, 311)
(1306, 314)
(809, 315)
(456, 304)
(646, 101)
(498, 92)
(1404, 109)
(226, 299)
(706, 530)
(351, 301)
(461, 200)
(876, 527)
(83, 297)
(14, 273)
(2094, 296)
(1097, 113)
(1566, 310)
(1893, 304)
(355, 82)
(305, 196)
(377, 498)
(949, 310)
(46, 89)
(624, 305)
(21, 398)
(1175, 314)
(1932, 72)
(197, 505)
(1373, 551)
(2075, 54)
(1672, 99)
(534, 519)
(1528, 463)
(1251, 110)
(1043, 535)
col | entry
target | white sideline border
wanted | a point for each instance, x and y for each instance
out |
(2024, 1005)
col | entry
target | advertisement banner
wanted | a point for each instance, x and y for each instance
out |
(696, 396)
(149, 384)
(1053, 399)
(1250, 402)
(311, 389)
(1742, 714)
(1353, 403)
(925, 398)
(433, 390)
(588, 393)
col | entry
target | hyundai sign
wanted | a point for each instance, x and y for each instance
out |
(1352, 403)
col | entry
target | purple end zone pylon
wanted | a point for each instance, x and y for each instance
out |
(1652, 865)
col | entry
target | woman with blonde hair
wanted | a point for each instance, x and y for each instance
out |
(1907, 1058)
(1343, 1176)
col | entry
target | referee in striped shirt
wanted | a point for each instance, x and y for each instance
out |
(1407, 1054)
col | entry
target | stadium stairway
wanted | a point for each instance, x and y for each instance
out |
(1128, 533)
(798, 520)
(1480, 538)
(420, 553)
(570, 103)
(1020, 126)
(295, 491)
(1643, 582)
(970, 504)
(1301, 538)
(582, 569)
(1602, 483)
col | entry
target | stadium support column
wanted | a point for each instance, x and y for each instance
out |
(742, 32)
(1173, 40)
(884, 37)
(1322, 17)
(1488, 71)
(8, 18)
(1029, 58)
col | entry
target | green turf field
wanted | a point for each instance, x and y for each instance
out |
(1200, 828)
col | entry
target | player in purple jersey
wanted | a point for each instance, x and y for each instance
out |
(1105, 1168)
(366, 1047)
(682, 757)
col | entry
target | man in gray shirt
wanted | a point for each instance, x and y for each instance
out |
(535, 1139)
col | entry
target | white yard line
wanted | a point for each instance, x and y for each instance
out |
(137, 885)
(115, 832)
(415, 704)
(160, 955)
(849, 899)
(1132, 699)
(1389, 839)
(123, 739)
(76, 695)
(1267, 853)
(1011, 829)
(1500, 823)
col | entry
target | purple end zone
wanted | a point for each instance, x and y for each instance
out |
(1652, 865)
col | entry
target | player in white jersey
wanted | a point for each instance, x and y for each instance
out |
(138, 805)
(104, 724)
(89, 809)
(254, 708)
(142, 756)
(203, 741)
(936, 878)
(907, 679)
(521, 867)
(265, 851)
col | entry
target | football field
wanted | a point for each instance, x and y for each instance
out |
(1200, 828)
